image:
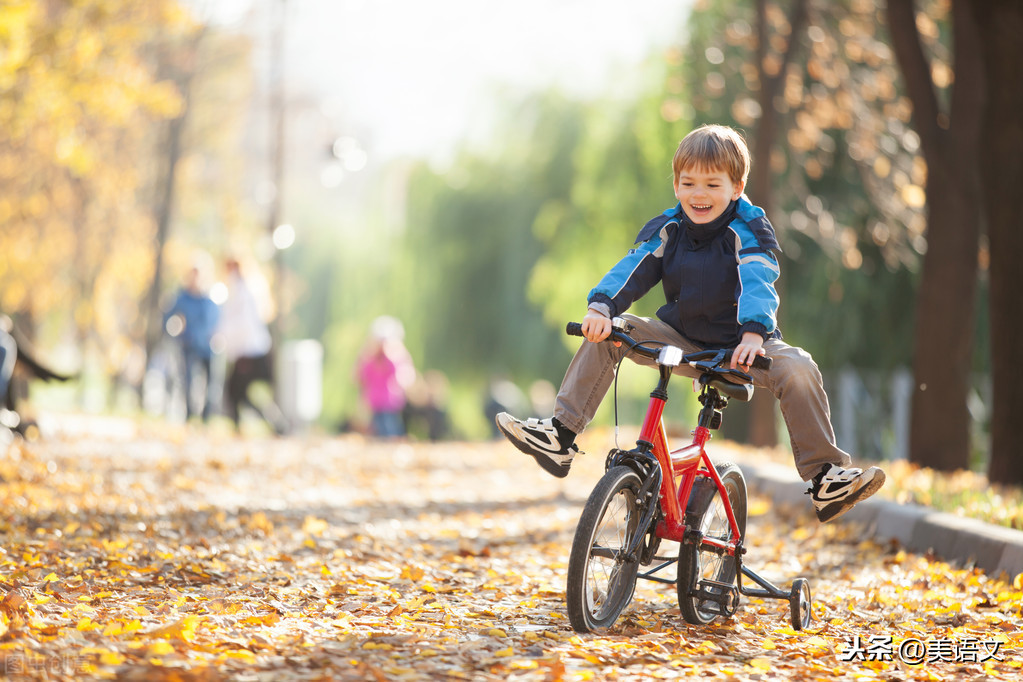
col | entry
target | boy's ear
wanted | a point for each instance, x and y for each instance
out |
(739, 187)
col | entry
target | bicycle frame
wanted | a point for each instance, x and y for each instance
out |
(678, 472)
(682, 467)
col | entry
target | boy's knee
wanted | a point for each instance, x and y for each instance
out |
(794, 368)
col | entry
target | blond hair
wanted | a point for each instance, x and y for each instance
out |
(713, 148)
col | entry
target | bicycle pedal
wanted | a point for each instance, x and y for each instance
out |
(717, 597)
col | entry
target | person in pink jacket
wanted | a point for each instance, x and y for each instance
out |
(385, 371)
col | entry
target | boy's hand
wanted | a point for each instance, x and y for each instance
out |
(752, 344)
(595, 326)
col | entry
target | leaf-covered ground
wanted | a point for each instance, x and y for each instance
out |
(146, 553)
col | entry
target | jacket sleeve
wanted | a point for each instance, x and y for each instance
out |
(633, 275)
(758, 271)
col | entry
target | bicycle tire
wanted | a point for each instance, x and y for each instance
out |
(601, 581)
(696, 564)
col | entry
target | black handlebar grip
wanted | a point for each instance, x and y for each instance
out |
(574, 329)
(762, 362)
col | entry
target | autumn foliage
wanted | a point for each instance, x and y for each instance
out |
(144, 553)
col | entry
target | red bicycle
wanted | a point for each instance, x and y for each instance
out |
(652, 493)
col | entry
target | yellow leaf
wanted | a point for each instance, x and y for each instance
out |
(111, 658)
(413, 573)
(496, 632)
(240, 654)
(183, 629)
(160, 648)
(375, 646)
(51, 578)
(504, 653)
(314, 526)
(85, 624)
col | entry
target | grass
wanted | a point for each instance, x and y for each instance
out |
(966, 493)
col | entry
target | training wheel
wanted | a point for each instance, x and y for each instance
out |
(799, 603)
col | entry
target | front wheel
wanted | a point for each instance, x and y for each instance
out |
(601, 578)
(706, 578)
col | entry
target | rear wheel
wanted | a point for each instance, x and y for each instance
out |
(706, 579)
(601, 580)
(800, 611)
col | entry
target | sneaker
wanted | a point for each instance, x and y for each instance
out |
(836, 490)
(549, 442)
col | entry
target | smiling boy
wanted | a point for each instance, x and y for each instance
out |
(714, 255)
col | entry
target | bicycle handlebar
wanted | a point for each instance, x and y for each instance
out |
(703, 360)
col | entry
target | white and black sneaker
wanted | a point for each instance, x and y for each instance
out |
(549, 441)
(836, 490)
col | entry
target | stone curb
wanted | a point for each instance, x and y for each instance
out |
(958, 540)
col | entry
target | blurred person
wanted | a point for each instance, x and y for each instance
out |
(542, 396)
(192, 320)
(425, 407)
(245, 339)
(8, 356)
(502, 396)
(385, 372)
(18, 366)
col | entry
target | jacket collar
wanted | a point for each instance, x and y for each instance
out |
(707, 230)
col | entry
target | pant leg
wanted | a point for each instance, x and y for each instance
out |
(8, 356)
(206, 363)
(190, 361)
(592, 370)
(793, 378)
(796, 381)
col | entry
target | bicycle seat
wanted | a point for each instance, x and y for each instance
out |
(743, 392)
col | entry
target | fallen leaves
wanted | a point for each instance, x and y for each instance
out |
(189, 557)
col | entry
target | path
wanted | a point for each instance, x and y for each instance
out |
(144, 553)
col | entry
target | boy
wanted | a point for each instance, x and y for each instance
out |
(713, 255)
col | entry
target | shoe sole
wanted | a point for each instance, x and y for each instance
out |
(546, 463)
(837, 509)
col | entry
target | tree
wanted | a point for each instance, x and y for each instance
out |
(1001, 167)
(77, 102)
(831, 142)
(949, 140)
(177, 62)
(772, 69)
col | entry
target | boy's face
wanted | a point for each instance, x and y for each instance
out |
(705, 194)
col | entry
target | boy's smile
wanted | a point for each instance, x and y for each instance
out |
(704, 194)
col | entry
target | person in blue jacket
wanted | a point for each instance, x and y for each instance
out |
(714, 256)
(192, 320)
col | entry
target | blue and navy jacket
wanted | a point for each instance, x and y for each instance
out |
(200, 316)
(718, 283)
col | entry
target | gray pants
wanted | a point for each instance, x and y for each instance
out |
(793, 378)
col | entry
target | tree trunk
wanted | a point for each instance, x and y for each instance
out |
(763, 416)
(946, 303)
(182, 63)
(164, 208)
(1001, 23)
